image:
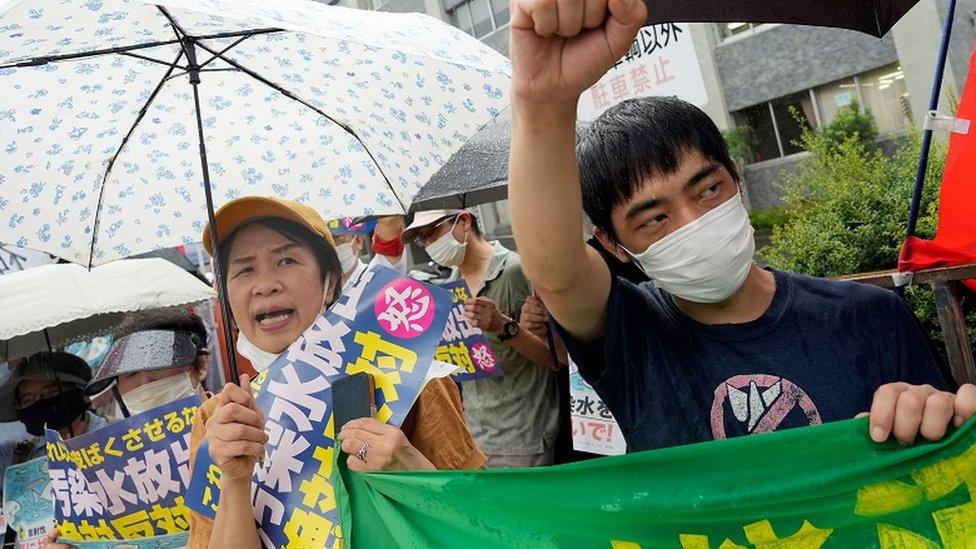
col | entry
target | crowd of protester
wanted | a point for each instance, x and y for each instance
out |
(664, 309)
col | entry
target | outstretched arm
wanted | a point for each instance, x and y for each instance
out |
(559, 49)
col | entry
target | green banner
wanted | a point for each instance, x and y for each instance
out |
(822, 486)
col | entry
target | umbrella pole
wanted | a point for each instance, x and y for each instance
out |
(923, 160)
(193, 70)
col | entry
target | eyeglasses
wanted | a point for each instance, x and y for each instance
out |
(426, 232)
(29, 399)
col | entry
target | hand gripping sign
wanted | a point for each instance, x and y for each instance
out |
(464, 345)
(384, 325)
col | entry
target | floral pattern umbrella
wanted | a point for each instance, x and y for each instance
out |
(109, 105)
(125, 123)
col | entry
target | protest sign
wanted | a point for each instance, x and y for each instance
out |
(594, 428)
(464, 345)
(27, 504)
(822, 486)
(661, 61)
(384, 325)
(345, 225)
(125, 481)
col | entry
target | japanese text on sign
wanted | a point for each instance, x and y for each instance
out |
(464, 345)
(384, 325)
(661, 61)
(594, 428)
(125, 481)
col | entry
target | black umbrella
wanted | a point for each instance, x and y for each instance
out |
(476, 174)
(874, 17)
(176, 257)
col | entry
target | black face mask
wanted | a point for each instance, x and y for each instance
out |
(56, 412)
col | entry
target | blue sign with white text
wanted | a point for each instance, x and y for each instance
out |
(384, 325)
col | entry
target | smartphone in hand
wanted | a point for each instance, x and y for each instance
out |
(353, 397)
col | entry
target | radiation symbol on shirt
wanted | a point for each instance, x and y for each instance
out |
(760, 402)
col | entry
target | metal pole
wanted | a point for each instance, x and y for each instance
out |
(779, 139)
(923, 160)
(193, 70)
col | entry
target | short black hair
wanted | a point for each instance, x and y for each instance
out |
(325, 254)
(173, 319)
(636, 139)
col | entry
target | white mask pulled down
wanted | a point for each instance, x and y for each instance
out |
(707, 260)
(446, 251)
(259, 358)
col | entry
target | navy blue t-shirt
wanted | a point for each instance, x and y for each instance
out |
(816, 355)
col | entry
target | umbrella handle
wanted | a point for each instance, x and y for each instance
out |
(194, 71)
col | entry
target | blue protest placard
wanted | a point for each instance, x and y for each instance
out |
(462, 344)
(384, 325)
(345, 225)
(125, 481)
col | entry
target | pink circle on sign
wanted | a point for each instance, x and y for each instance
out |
(404, 308)
(484, 357)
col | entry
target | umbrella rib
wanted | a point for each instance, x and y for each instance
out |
(292, 96)
(244, 33)
(146, 58)
(177, 29)
(111, 162)
(225, 50)
(37, 61)
(185, 72)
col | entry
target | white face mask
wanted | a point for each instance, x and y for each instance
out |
(260, 359)
(347, 257)
(446, 251)
(707, 260)
(151, 395)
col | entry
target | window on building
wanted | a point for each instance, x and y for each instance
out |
(462, 19)
(480, 18)
(728, 30)
(882, 91)
(835, 96)
(774, 131)
(500, 10)
(886, 96)
(481, 15)
(792, 114)
(762, 134)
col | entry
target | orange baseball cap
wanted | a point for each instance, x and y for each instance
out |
(239, 211)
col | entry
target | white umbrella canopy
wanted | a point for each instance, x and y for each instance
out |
(54, 305)
(345, 110)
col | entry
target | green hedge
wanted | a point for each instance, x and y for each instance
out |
(845, 211)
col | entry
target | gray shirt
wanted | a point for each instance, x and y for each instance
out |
(516, 414)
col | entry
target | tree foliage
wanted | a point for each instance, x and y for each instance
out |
(845, 211)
